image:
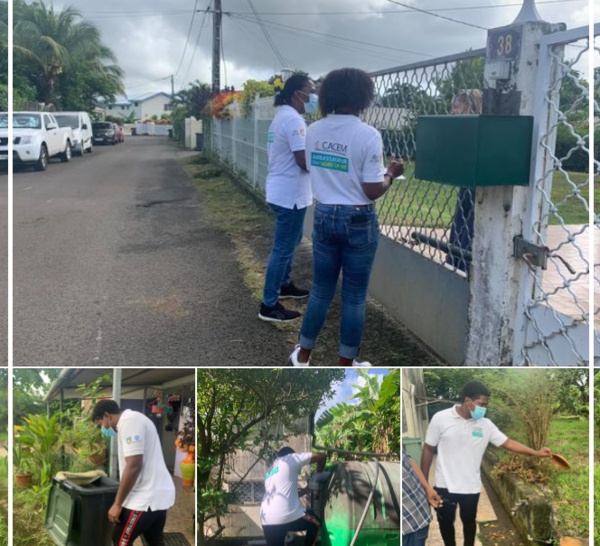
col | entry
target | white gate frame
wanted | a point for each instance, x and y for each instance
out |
(544, 118)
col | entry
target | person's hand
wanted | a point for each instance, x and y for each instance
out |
(395, 168)
(434, 499)
(114, 513)
(545, 452)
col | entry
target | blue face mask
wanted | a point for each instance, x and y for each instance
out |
(310, 107)
(478, 412)
(108, 432)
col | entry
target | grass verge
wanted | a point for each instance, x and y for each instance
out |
(568, 490)
(243, 216)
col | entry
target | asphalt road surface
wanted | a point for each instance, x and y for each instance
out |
(115, 265)
(3, 268)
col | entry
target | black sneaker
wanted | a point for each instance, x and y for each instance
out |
(292, 292)
(277, 314)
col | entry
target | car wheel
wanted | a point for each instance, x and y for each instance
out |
(42, 163)
(66, 156)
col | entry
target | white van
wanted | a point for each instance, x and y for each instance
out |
(81, 124)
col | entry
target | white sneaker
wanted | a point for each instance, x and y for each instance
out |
(365, 364)
(294, 359)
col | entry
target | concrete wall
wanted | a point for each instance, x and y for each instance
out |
(527, 507)
(430, 300)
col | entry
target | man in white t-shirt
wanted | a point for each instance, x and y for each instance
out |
(460, 435)
(281, 510)
(146, 489)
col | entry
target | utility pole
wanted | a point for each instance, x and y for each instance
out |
(216, 52)
(172, 92)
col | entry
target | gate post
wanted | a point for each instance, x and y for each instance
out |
(500, 211)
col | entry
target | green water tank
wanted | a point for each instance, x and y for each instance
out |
(344, 499)
(472, 150)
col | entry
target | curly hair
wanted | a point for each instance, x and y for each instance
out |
(102, 407)
(346, 91)
(474, 390)
(294, 83)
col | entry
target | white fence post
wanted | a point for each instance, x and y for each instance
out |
(255, 116)
(500, 211)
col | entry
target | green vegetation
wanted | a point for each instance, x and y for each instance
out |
(249, 410)
(568, 490)
(413, 202)
(59, 58)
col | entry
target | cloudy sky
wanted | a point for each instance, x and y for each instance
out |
(155, 39)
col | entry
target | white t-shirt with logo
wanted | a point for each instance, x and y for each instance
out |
(342, 153)
(281, 503)
(154, 489)
(461, 444)
(287, 184)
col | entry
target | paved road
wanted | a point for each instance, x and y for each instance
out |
(115, 265)
(3, 268)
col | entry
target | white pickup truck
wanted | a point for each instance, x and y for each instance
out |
(36, 138)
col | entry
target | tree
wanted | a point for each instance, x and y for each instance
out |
(465, 74)
(371, 425)
(29, 386)
(244, 410)
(62, 57)
(194, 99)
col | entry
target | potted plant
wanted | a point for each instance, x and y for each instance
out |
(186, 441)
(23, 475)
(86, 441)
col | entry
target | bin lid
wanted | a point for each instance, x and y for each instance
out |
(99, 487)
(59, 515)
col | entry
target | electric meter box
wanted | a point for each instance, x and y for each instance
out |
(471, 150)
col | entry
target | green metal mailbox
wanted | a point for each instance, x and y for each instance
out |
(470, 150)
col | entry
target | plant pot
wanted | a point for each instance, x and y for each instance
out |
(23, 480)
(188, 467)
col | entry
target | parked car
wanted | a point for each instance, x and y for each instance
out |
(119, 133)
(103, 132)
(82, 129)
(36, 138)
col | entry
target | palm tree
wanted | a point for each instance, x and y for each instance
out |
(52, 48)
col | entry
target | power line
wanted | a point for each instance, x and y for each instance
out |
(394, 11)
(188, 38)
(196, 44)
(314, 32)
(267, 36)
(436, 15)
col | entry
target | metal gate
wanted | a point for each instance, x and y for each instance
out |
(553, 326)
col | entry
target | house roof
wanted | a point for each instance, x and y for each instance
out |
(133, 381)
(148, 96)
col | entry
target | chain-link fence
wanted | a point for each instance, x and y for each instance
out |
(436, 220)
(556, 306)
(433, 219)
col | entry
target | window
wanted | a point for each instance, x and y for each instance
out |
(248, 492)
(167, 107)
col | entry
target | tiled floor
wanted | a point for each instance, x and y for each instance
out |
(180, 518)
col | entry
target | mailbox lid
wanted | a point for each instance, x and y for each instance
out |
(471, 150)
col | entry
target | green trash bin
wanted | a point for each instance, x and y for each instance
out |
(77, 515)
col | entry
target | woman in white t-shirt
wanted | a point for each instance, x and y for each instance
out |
(288, 194)
(345, 160)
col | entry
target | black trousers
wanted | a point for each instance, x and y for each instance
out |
(275, 534)
(447, 515)
(134, 523)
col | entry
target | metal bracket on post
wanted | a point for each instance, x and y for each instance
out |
(534, 255)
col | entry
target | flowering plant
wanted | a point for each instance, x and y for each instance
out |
(218, 107)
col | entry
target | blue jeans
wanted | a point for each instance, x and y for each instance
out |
(289, 224)
(418, 538)
(345, 239)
